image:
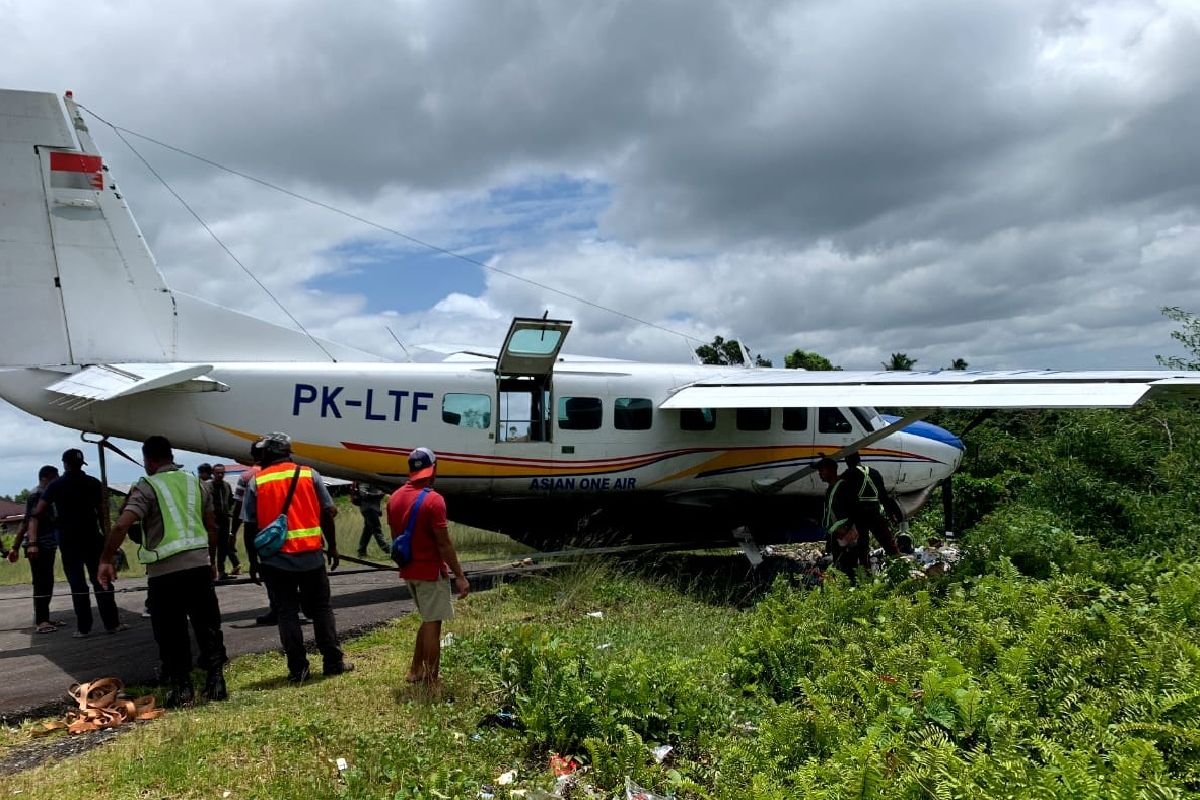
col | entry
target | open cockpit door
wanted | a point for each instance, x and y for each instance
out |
(524, 372)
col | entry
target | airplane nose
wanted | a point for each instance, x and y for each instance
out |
(927, 430)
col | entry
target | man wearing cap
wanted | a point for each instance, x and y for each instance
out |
(433, 558)
(295, 576)
(78, 503)
(177, 543)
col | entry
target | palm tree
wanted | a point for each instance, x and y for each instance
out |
(899, 362)
(959, 364)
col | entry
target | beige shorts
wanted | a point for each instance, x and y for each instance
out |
(432, 599)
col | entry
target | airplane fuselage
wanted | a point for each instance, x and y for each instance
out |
(598, 441)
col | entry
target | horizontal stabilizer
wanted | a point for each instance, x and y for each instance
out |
(109, 381)
(945, 389)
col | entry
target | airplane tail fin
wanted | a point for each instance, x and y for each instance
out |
(78, 285)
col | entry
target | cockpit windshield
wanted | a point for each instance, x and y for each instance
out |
(868, 417)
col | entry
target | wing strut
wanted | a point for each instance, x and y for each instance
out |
(773, 485)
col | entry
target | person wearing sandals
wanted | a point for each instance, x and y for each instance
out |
(40, 552)
(179, 547)
(417, 510)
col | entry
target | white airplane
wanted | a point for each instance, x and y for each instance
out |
(530, 442)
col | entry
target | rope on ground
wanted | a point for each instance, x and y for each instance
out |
(101, 705)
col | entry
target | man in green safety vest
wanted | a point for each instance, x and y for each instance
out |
(178, 545)
(874, 501)
(840, 504)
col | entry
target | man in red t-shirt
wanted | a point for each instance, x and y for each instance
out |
(433, 558)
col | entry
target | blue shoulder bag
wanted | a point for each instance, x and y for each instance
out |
(402, 544)
(270, 539)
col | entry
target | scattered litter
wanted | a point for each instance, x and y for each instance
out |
(226, 793)
(604, 646)
(596, 614)
(507, 778)
(486, 792)
(504, 718)
(447, 640)
(562, 765)
(476, 737)
(661, 752)
(342, 765)
(935, 558)
(635, 792)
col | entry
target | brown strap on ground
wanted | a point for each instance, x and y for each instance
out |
(101, 706)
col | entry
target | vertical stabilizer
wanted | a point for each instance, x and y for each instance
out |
(72, 259)
(78, 284)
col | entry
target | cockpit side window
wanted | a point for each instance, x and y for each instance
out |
(832, 420)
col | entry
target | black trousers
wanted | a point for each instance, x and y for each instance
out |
(42, 570)
(226, 546)
(80, 560)
(292, 592)
(371, 530)
(874, 522)
(175, 599)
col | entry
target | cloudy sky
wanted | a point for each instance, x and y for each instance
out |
(1013, 182)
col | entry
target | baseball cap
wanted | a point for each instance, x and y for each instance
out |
(74, 457)
(421, 463)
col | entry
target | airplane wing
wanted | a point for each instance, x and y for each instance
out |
(941, 389)
(109, 381)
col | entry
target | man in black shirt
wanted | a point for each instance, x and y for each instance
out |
(78, 504)
(874, 501)
(368, 498)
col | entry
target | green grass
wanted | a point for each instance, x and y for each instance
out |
(272, 740)
(472, 544)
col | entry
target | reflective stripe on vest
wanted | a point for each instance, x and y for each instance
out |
(304, 514)
(832, 524)
(867, 492)
(180, 502)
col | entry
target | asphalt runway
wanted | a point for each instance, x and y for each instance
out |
(38, 668)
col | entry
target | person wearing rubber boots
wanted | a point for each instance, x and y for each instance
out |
(178, 545)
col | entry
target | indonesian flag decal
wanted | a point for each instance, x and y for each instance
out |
(75, 171)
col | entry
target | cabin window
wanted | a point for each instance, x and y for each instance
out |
(832, 420)
(633, 414)
(754, 419)
(795, 419)
(697, 419)
(580, 413)
(467, 410)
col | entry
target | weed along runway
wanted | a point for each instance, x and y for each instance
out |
(38, 668)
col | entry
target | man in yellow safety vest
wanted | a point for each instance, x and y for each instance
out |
(178, 545)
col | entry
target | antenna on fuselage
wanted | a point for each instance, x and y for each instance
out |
(407, 355)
